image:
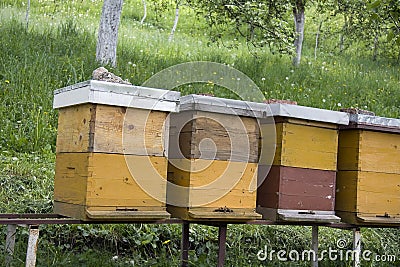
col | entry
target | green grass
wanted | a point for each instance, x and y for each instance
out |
(58, 49)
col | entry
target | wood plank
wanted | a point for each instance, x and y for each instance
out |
(207, 135)
(215, 183)
(307, 147)
(130, 131)
(346, 191)
(348, 151)
(378, 193)
(111, 129)
(297, 188)
(71, 174)
(91, 179)
(74, 124)
(380, 152)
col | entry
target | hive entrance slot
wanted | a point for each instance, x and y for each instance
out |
(307, 212)
(126, 209)
(386, 215)
(223, 209)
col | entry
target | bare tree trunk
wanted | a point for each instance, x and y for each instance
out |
(344, 29)
(317, 39)
(171, 35)
(28, 9)
(376, 43)
(144, 11)
(106, 50)
(299, 21)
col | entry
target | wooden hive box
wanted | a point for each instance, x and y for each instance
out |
(111, 156)
(368, 182)
(299, 183)
(213, 158)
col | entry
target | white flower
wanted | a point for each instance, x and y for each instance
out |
(114, 258)
(339, 104)
(262, 79)
(324, 100)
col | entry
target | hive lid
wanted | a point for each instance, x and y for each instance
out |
(224, 105)
(362, 121)
(115, 94)
(309, 113)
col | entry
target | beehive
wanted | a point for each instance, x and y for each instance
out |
(111, 156)
(213, 157)
(368, 182)
(299, 183)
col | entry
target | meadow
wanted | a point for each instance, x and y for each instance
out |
(57, 49)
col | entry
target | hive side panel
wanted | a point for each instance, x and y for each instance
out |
(75, 128)
(380, 152)
(236, 187)
(268, 189)
(309, 147)
(225, 137)
(271, 143)
(129, 130)
(307, 189)
(121, 181)
(72, 172)
(379, 193)
(348, 150)
(346, 191)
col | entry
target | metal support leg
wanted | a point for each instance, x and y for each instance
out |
(185, 244)
(10, 243)
(32, 246)
(221, 244)
(314, 245)
(357, 247)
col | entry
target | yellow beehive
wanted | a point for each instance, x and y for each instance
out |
(111, 161)
(368, 182)
(213, 158)
(298, 183)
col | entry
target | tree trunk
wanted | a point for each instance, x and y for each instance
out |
(144, 11)
(376, 46)
(28, 9)
(299, 21)
(106, 50)
(171, 35)
(317, 39)
(344, 30)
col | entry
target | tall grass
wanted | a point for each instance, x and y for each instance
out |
(58, 49)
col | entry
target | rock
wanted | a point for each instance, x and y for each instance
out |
(102, 74)
(357, 111)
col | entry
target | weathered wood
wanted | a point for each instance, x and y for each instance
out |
(297, 188)
(212, 185)
(206, 135)
(304, 146)
(111, 129)
(108, 182)
(32, 246)
(368, 181)
(369, 151)
(10, 244)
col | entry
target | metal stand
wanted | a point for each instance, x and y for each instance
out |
(221, 244)
(185, 244)
(314, 245)
(357, 247)
(10, 243)
(32, 246)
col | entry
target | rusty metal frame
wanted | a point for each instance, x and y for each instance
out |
(33, 220)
